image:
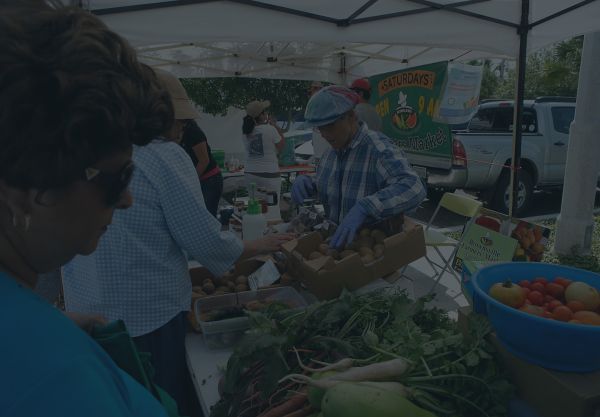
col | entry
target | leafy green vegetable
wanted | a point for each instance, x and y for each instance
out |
(452, 373)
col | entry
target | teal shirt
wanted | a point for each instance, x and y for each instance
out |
(49, 367)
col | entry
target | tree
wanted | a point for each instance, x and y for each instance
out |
(553, 71)
(216, 95)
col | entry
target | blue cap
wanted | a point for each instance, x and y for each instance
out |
(329, 104)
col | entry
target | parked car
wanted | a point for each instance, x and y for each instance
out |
(481, 155)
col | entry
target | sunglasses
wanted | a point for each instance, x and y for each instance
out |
(113, 184)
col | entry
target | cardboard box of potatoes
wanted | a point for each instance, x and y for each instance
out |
(378, 250)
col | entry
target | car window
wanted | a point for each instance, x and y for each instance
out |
(500, 120)
(562, 118)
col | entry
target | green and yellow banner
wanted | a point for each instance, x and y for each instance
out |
(407, 102)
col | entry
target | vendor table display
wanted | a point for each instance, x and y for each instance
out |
(439, 367)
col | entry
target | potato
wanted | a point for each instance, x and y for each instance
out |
(366, 241)
(219, 292)
(208, 288)
(222, 288)
(378, 235)
(207, 281)
(253, 305)
(364, 251)
(242, 279)
(333, 253)
(241, 287)
(378, 250)
(367, 258)
(346, 253)
(231, 286)
(315, 255)
(365, 232)
(354, 246)
(197, 288)
(220, 281)
(324, 248)
(286, 279)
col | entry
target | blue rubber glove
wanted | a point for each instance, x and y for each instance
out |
(346, 231)
(302, 189)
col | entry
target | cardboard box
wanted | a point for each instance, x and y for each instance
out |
(549, 393)
(326, 278)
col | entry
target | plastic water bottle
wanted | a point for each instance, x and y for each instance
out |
(253, 222)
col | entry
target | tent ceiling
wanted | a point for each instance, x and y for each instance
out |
(332, 40)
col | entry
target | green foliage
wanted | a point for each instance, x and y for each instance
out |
(215, 95)
(451, 369)
(553, 71)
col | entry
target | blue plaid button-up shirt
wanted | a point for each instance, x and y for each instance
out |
(139, 272)
(371, 172)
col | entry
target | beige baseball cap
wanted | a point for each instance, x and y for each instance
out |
(182, 105)
(256, 107)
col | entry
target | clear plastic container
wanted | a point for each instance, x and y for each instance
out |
(223, 334)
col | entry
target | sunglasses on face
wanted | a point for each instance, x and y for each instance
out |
(113, 184)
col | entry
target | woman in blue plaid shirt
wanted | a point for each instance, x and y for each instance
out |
(364, 176)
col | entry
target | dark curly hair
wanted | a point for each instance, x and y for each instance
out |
(71, 93)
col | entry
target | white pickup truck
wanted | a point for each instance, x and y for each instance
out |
(482, 152)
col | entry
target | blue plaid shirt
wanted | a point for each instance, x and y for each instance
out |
(139, 272)
(371, 172)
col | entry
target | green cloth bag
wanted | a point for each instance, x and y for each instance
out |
(116, 341)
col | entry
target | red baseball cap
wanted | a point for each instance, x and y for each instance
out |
(361, 84)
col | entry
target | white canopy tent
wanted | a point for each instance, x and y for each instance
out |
(332, 40)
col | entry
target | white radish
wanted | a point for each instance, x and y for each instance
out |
(340, 365)
(380, 371)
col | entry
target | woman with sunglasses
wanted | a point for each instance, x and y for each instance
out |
(139, 273)
(73, 100)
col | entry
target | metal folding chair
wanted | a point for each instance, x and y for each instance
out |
(461, 205)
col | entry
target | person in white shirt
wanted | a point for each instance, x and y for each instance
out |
(364, 110)
(263, 140)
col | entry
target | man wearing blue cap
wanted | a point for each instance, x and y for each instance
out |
(364, 176)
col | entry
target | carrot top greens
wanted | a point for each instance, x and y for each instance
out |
(452, 371)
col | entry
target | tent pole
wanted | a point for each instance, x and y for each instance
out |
(515, 164)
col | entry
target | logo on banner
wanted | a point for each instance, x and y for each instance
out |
(405, 118)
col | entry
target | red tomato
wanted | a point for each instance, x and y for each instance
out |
(536, 298)
(564, 282)
(548, 298)
(538, 286)
(555, 290)
(525, 283)
(541, 280)
(562, 313)
(548, 315)
(527, 301)
(535, 310)
(575, 306)
(553, 304)
(525, 290)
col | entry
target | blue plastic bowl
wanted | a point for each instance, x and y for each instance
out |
(549, 343)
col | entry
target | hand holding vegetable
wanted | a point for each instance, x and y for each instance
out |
(347, 229)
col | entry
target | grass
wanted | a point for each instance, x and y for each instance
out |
(588, 262)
